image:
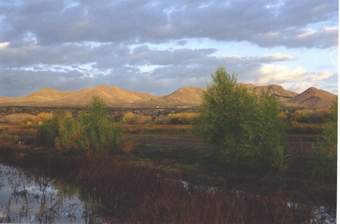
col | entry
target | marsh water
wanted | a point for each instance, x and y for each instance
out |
(28, 198)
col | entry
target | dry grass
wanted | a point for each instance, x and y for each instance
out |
(17, 118)
(156, 128)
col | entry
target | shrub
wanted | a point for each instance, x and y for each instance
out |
(129, 118)
(41, 117)
(92, 130)
(132, 118)
(246, 127)
(70, 134)
(182, 118)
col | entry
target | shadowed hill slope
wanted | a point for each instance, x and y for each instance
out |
(313, 98)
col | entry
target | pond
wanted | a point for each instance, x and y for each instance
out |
(27, 198)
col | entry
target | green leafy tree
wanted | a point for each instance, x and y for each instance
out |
(246, 127)
(325, 156)
(101, 132)
(331, 132)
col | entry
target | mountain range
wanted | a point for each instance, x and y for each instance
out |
(312, 98)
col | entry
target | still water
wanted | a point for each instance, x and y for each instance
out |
(26, 198)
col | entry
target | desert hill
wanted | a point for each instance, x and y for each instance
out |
(275, 90)
(43, 95)
(186, 96)
(112, 96)
(313, 98)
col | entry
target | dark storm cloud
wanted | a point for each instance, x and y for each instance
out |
(262, 22)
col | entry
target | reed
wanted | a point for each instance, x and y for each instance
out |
(134, 193)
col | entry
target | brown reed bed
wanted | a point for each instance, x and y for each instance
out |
(140, 194)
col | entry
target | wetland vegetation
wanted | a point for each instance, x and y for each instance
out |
(242, 159)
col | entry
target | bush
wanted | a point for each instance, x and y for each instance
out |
(92, 130)
(41, 117)
(70, 134)
(182, 118)
(132, 118)
(246, 127)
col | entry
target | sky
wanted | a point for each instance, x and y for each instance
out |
(159, 46)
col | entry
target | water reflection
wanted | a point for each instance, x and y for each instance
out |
(27, 198)
(30, 199)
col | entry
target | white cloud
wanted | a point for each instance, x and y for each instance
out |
(297, 78)
(282, 56)
(4, 45)
(279, 73)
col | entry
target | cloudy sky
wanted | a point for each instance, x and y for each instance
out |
(158, 46)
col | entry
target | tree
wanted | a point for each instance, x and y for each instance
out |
(246, 127)
(331, 132)
(325, 156)
(101, 132)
